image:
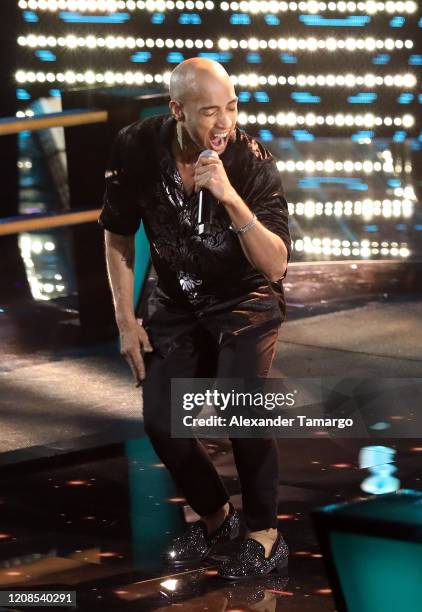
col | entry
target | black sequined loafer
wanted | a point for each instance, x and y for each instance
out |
(196, 544)
(250, 560)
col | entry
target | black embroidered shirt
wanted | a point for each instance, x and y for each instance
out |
(201, 274)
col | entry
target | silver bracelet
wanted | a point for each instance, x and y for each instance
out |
(246, 227)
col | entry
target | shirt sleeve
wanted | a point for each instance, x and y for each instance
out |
(265, 197)
(120, 213)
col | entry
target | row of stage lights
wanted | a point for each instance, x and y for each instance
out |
(347, 248)
(314, 44)
(313, 6)
(367, 120)
(367, 209)
(112, 6)
(284, 44)
(367, 166)
(310, 6)
(406, 81)
(309, 166)
(111, 42)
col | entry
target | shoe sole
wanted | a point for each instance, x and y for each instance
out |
(280, 566)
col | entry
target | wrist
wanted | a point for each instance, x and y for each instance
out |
(125, 320)
(242, 229)
(232, 200)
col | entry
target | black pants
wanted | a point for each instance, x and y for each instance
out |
(202, 352)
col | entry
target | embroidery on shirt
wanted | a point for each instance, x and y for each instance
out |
(175, 197)
(189, 283)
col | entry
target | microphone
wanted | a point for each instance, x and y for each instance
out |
(205, 197)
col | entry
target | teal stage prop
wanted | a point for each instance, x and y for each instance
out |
(373, 552)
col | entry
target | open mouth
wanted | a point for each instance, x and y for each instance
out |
(218, 140)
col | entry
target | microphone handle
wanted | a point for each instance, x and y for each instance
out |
(201, 224)
(202, 201)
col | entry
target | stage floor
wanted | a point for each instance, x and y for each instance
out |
(69, 396)
(86, 505)
(96, 521)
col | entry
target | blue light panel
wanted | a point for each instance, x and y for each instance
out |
(223, 56)
(314, 182)
(288, 58)
(302, 135)
(381, 59)
(397, 22)
(265, 135)
(240, 19)
(45, 55)
(22, 94)
(261, 96)
(73, 17)
(363, 98)
(401, 227)
(415, 60)
(175, 57)
(394, 182)
(189, 19)
(157, 18)
(305, 97)
(399, 136)
(244, 96)
(141, 56)
(420, 98)
(30, 16)
(272, 20)
(362, 134)
(370, 228)
(353, 21)
(253, 58)
(55, 93)
(405, 98)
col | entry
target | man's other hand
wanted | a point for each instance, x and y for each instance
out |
(134, 342)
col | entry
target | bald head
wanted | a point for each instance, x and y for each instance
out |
(204, 103)
(189, 79)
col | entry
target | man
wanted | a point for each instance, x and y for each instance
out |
(219, 293)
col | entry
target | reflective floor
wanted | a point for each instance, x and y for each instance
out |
(96, 522)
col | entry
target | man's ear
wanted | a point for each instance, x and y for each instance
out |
(176, 110)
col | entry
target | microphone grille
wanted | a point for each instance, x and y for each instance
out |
(208, 153)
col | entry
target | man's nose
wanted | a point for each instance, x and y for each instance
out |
(224, 121)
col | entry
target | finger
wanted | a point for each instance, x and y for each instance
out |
(202, 172)
(202, 181)
(146, 344)
(138, 365)
(206, 161)
(133, 369)
(200, 176)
